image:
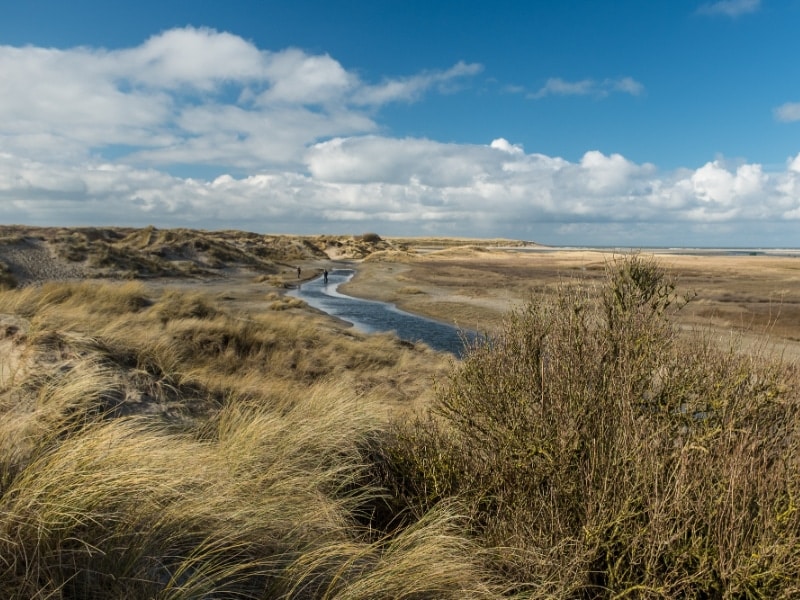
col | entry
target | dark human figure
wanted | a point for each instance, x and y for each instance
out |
(298, 272)
(325, 276)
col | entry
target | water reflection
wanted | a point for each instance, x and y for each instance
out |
(370, 316)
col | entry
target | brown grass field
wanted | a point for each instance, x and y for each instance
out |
(755, 297)
(173, 425)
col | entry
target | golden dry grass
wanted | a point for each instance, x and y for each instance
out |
(156, 445)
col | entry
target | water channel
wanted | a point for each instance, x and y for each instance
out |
(370, 316)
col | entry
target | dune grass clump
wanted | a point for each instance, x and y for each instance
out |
(601, 454)
(286, 303)
(173, 305)
(257, 503)
(123, 508)
(97, 298)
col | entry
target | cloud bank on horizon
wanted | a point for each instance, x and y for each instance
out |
(201, 128)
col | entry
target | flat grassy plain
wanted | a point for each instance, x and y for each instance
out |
(172, 425)
(754, 297)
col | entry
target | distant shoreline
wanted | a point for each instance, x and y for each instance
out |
(688, 250)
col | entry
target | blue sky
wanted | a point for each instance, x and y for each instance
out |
(569, 123)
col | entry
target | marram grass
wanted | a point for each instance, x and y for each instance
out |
(155, 445)
(158, 448)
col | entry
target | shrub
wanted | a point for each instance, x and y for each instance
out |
(7, 279)
(599, 453)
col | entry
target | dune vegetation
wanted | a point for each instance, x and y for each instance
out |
(155, 444)
(161, 447)
(598, 452)
(37, 253)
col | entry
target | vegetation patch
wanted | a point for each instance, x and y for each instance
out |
(154, 444)
(598, 454)
(410, 290)
(286, 302)
(7, 279)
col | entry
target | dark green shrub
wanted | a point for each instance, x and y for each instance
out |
(601, 454)
(7, 279)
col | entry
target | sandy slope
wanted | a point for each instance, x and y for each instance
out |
(31, 261)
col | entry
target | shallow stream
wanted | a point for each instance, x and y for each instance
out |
(370, 316)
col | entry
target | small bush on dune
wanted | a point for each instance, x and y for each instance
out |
(7, 279)
(410, 290)
(371, 238)
(602, 455)
(287, 302)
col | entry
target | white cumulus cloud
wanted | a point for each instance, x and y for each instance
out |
(292, 141)
(297, 77)
(194, 57)
(192, 95)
